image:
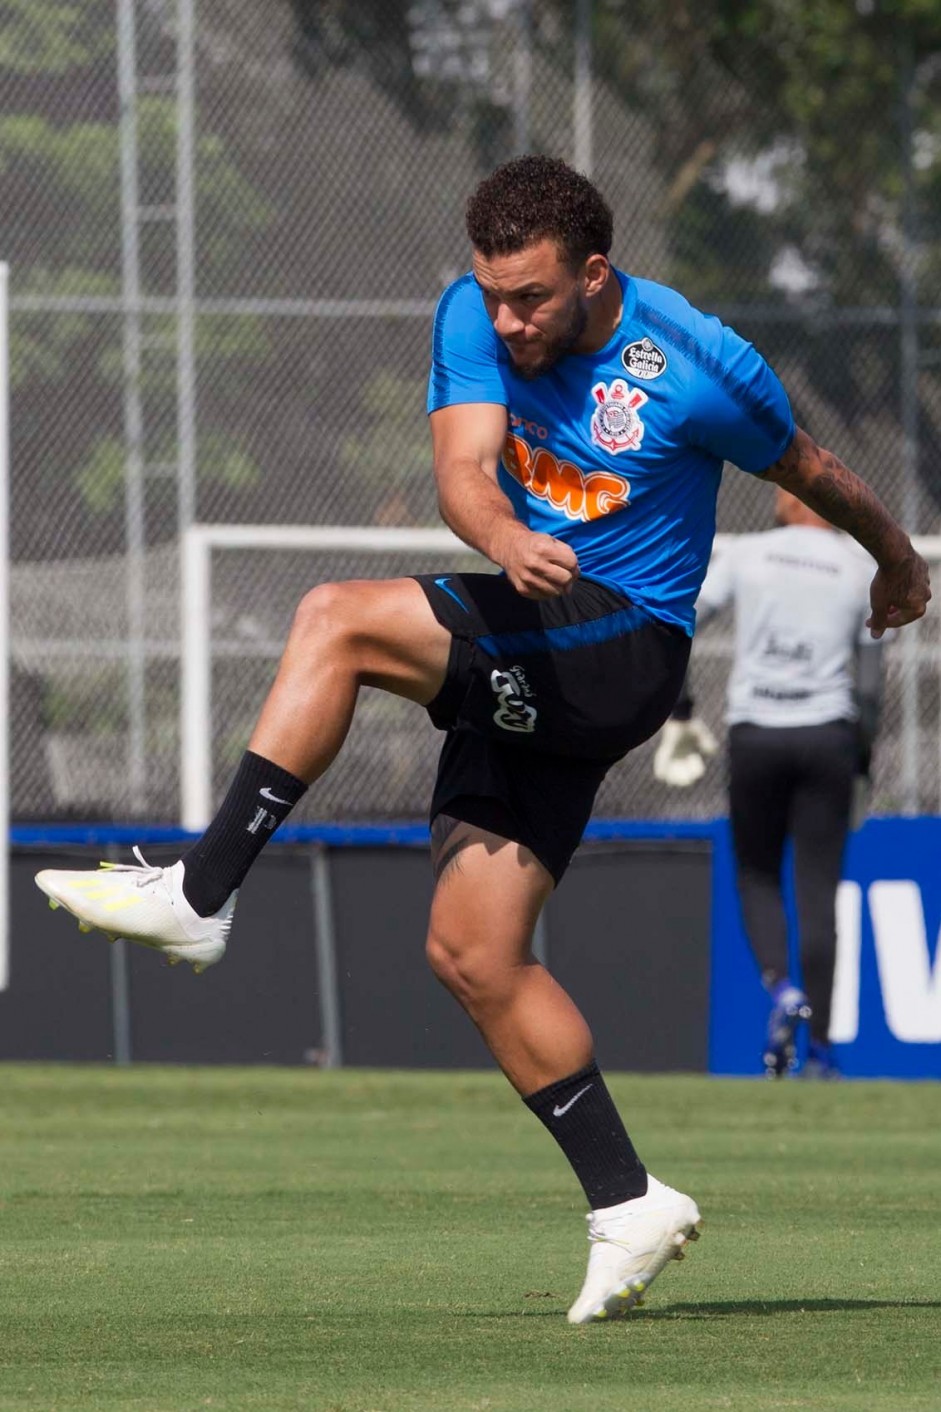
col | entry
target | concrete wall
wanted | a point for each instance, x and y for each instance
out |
(627, 933)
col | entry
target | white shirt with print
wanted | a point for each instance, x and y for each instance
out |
(801, 600)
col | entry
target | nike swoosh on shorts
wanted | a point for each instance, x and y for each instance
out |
(442, 583)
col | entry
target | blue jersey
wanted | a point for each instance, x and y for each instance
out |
(619, 453)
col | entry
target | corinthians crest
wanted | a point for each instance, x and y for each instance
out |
(615, 424)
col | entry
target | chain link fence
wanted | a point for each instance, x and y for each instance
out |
(227, 226)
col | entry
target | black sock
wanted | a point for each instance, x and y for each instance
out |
(580, 1114)
(259, 799)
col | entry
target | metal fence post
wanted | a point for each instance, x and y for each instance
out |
(908, 412)
(331, 1041)
(120, 993)
(582, 108)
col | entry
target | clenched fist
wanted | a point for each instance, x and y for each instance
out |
(537, 565)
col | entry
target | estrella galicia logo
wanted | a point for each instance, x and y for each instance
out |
(644, 360)
(512, 712)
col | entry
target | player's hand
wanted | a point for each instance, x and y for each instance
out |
(898, 594)
(684, 748)
(539, 566)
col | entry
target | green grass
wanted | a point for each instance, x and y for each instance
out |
(296, 1241)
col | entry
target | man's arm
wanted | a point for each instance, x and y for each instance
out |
(900, 592)
(468, 440)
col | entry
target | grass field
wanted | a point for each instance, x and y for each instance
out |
(179, 1239)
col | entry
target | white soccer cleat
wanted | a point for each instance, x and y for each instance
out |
(630, 1244)
(143, 904)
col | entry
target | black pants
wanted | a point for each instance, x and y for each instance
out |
(792, 783)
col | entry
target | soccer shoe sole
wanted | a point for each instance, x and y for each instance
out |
(631, 1295)
(199, 954)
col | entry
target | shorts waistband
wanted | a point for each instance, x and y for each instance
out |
(567, 637)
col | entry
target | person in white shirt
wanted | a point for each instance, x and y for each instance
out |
(803, 706)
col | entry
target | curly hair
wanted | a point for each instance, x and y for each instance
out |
(536, 198)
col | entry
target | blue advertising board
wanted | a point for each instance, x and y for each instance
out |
(886, 1020)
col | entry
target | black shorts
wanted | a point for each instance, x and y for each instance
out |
(540, 699)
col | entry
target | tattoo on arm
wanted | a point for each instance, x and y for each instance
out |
(449, 838)
(824, 483)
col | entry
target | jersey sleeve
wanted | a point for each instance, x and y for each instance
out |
(464, 361)
(739, 409)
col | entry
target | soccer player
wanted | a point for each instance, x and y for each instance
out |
(804, 696)
(580, 418)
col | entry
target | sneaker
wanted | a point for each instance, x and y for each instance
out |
(142, 904)
(820, 1064)
(630, 1244)
(790, 1007)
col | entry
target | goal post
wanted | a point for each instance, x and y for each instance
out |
(199, 542)
(4, 626)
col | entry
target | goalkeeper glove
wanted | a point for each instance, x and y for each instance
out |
(684, 748)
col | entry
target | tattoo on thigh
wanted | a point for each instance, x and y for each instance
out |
(449, 838)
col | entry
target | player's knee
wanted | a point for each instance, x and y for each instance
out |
(467, 972)
(323, 615)
(443, 961)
